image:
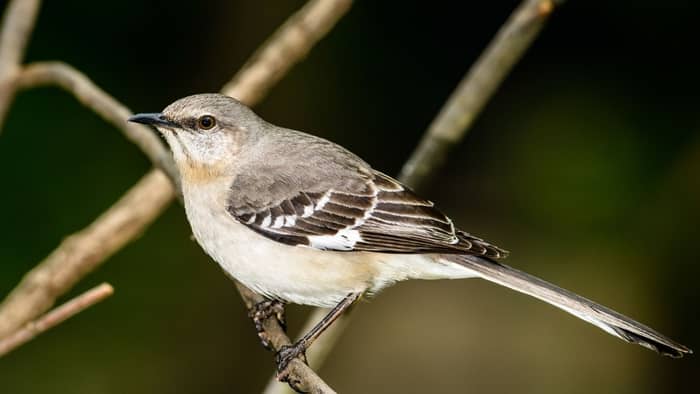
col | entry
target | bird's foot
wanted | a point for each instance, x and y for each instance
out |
(286, 354)
(263, 311)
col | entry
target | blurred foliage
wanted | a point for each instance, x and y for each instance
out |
(585, 165)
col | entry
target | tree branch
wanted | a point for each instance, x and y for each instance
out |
(449, 127)
(298, 375)
(17, 25)
(316, 354)
(84, 251)
(475, 90)
(55, 317)
(93, 97)
(288, 45)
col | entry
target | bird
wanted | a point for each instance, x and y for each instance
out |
(299, 219)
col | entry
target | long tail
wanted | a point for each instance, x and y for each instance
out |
(608, 320)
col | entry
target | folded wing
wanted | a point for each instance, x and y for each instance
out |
(378, 215)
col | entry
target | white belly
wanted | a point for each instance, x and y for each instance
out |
(294, 273)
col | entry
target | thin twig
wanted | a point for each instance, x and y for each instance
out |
(93, 97)
(55, 317)
(82, 252)
(17, 25)
(475, 90)
(292, 40)
(449, 127)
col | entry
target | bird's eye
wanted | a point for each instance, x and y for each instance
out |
(206, 122)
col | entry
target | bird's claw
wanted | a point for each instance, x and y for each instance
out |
(263, 311)
(286, 354)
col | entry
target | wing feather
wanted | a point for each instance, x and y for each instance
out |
(379, 215)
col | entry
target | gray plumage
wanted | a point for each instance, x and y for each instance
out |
(387, 216)
(301, 219)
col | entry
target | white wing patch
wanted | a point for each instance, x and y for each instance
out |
(290, 220)
(368, 212)
(324, 200)
(279, 222)
(308, 211)
(344, 239)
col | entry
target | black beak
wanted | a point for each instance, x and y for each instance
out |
(152, 119)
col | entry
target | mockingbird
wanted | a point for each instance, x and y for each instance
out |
(300, 219)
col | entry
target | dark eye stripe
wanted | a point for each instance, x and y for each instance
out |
(190, 123)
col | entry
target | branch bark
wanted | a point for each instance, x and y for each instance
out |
(17, 25)
(82, 252)
(93, 97)
(476, 88)
(299, 376)
(293, 40)
(55, 317)
(449, 127)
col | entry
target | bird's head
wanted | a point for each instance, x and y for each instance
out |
(204, 131)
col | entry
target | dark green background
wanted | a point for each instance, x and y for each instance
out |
(585, 165)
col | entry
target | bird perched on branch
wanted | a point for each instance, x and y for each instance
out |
(299, 219)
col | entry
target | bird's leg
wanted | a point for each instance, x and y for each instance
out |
(288, 353)
(261, 312)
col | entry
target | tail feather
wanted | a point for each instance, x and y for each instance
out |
(606, 319)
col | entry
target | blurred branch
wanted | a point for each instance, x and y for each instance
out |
(55, 317)
(17, 25)
(449, 127)
(475, 90)
(93, 97)
(82, 252)
(288, 45)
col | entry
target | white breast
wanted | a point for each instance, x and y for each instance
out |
(293, 273)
